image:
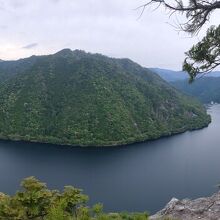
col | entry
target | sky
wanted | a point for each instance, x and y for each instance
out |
(110, 27)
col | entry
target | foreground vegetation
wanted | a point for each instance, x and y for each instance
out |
(36, 202)
(78, 98)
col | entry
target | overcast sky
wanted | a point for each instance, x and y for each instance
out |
(110, 27)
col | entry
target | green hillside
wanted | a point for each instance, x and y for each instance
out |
(78, 98)
(206, 89)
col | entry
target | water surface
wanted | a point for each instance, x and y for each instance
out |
(137, 177)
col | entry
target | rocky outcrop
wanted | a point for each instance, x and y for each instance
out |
(203, 208)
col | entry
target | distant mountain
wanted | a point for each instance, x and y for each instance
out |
(171, 75)
(206, 89)
(79, 98)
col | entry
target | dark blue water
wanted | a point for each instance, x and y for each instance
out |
(138, 177)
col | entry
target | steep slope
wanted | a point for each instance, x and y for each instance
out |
(78, 98)
(206, 89)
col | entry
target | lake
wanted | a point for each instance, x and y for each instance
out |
(138, 177)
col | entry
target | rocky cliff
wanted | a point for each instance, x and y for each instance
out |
(202, 208)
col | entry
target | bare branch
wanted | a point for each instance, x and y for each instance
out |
(197, 12)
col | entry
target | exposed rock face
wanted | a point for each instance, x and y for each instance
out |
(202, 208)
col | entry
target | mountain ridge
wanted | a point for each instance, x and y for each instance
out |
(172, 75)
(79, 98)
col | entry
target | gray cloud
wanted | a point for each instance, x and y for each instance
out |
(17, 3)
(30, 46)
(3, 26)
(107, 27)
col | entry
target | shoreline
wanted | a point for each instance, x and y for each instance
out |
(118, 144)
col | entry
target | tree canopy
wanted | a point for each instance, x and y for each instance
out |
(205, 55)
(36, 202)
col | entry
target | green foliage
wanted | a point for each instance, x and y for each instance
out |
(97, 209)
(78, 98)
(37, 202)
(204, 56)
(35, 198)
(57, 211)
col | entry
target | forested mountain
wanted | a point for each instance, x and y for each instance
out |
(10, 68)
(79, 98)
(171, 75)
(206, 89)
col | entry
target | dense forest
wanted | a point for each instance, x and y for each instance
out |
(79, 98)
